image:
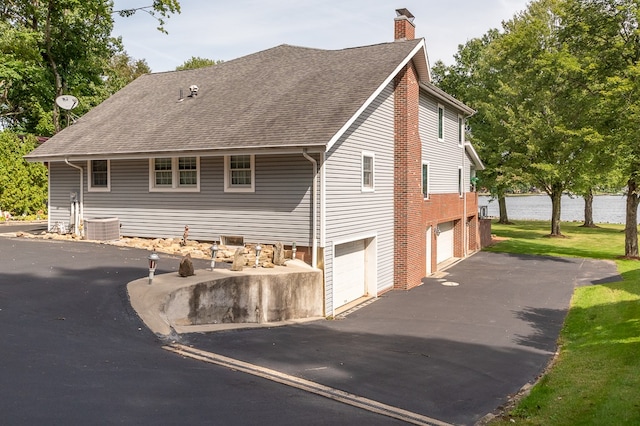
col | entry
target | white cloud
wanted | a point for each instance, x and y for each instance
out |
(227, 30)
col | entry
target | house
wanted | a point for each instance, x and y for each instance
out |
(352, 154)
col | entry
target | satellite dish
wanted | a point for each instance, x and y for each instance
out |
(67, 102)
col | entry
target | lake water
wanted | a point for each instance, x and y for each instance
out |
(606, 208)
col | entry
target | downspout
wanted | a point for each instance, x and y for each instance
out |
(465, 229)
(81, 199)
(314, 209)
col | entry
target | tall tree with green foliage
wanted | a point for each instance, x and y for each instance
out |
(23, 185)
(605, 37)
(540, 95)
(63, 47)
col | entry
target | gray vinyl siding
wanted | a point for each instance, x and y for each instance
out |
(278, 210)
(444, 157)
(328, 279)
(350, 212)
(63, 180)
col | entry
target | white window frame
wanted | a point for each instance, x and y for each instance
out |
(426, 195)
(372, 187)
(460, 181)
(90, 186)
(440, 122)
(228, 186)
(461, 130)
(175, 176)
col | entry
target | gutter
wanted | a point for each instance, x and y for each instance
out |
(81, 199)
(314, 209)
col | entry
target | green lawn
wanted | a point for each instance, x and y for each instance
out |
(596, 379)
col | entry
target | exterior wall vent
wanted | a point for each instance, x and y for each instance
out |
(102, 229)
(232, 240)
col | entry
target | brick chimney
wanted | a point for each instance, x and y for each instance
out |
(410, 233)
(405, 29)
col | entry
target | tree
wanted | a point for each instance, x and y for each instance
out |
(605, 35)
(544, 95)
(470, 81)
(122, 70)
(23, 185)
(64, 47)
(159, 10)
(197, 62)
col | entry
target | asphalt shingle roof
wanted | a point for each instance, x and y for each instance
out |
(280, 97)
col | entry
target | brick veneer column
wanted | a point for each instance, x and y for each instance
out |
(410, 234)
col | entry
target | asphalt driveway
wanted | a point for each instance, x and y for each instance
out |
(74, 352)
(450, 352)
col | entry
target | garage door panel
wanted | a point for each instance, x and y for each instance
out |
(349, 272)
(445, 242)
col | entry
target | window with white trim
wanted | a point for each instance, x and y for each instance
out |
(239, 173)
(425, 179)
(174, 174)
(440, 123)
(368, 169)
(99, 172)
(461, 130)
(460, 181)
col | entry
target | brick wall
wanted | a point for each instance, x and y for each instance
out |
(440, 208)
(410, 244)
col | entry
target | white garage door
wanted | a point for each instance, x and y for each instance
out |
(348, 273)
(445, 242)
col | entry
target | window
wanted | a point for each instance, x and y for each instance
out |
(174, 174)
(460, 178)
(440, 123)
(460, 130)
(425, 180)
(239, 173)
(368, 172)
(99, 176)
(187, 171)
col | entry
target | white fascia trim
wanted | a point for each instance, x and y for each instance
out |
(312, 149)
(443, 96)
(473, 154)
(420, 47)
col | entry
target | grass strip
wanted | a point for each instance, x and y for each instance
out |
(596, 378)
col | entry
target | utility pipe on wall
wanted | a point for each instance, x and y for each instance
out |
(81, 199)
(314, 210)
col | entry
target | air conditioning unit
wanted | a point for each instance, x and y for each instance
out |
(102, 229)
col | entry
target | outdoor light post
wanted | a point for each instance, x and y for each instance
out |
(214, 254)
(258, 250)
(153, 263)
(293, 250)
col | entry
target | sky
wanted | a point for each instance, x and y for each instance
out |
(225, 30)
